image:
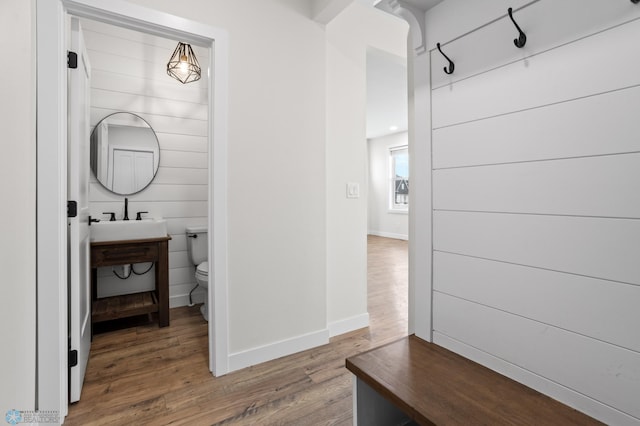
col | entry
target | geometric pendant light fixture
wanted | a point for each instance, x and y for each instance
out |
(183, 65)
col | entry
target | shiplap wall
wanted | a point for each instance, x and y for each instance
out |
(536, 202)
(129, 74)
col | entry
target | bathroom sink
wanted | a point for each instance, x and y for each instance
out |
(128, 230)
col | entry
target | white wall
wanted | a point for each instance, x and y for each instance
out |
(128, 74)
(17, 227)
(277, 290)
(277, 174)
(348, 37)
(382, 221)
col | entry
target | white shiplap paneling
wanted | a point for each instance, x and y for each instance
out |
(586, 129)
(600, 248)
(536, 221)
(178, 142)
(166, 89)
(166, 192)
(588, 306)
(527, 84)
(113, 100)
(605, 186)
(183, 159)
(176, 226)
(602, 371)
(181, 176)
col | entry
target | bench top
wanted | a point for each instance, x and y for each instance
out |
(433, 385)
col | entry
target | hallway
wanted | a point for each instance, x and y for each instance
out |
(147, 375)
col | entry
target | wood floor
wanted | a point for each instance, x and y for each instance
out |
(158, 376)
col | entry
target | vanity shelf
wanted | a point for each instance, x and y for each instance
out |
(128, 305)
(111, 253)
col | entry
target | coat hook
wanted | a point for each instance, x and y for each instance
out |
(522, 38)
(451, 64)
(635, 1)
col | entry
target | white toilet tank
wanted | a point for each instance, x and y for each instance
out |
(197, 244)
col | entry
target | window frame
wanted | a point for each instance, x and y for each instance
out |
(393, 206)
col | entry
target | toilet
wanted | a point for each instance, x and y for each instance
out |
(197, 246)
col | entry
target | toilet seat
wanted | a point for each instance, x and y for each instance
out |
(202, 274)
(202, 278)
(198, 248)
(203, 269)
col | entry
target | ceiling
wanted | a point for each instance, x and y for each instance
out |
(423, 4)
(386, 93)
(418, 4)
(387, 111)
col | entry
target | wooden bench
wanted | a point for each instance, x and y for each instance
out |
(411, 381)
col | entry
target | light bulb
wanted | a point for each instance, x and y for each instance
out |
(184, 65)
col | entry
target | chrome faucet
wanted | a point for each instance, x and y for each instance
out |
(126, 209)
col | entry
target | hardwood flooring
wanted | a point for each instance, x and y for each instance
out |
(158, 376)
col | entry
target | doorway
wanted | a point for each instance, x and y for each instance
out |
(52, 356)
(389, 184)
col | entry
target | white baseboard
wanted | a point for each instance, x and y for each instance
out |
(349, 324)
(276, 350)
(389, 235)
(183, 299)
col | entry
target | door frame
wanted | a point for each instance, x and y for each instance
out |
(51, 218)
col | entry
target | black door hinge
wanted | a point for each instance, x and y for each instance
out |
(72, 208)
(72, 59)
(73, 358)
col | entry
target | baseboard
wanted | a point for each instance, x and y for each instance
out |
(389, 235)
(183, 299)
(349, 324)
(276, 350)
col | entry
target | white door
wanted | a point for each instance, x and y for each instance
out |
(123, 174)
(132, 170)
(78, 227)
(144, 169)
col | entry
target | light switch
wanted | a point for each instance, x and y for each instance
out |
(353, 190)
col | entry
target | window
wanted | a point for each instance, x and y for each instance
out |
(399, 187)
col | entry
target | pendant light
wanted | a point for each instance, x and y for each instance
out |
(183, 65)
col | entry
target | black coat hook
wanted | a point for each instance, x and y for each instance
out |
(451, 64)
(522, 38)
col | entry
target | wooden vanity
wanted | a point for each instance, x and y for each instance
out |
(111, 253)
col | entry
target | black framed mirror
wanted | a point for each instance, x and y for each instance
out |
(125, 153)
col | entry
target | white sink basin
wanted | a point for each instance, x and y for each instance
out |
(120, 230)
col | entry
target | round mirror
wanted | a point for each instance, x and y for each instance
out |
(125, 153)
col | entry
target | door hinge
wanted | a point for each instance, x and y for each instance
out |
(72, 208)
(72, 59)
(73, 358)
